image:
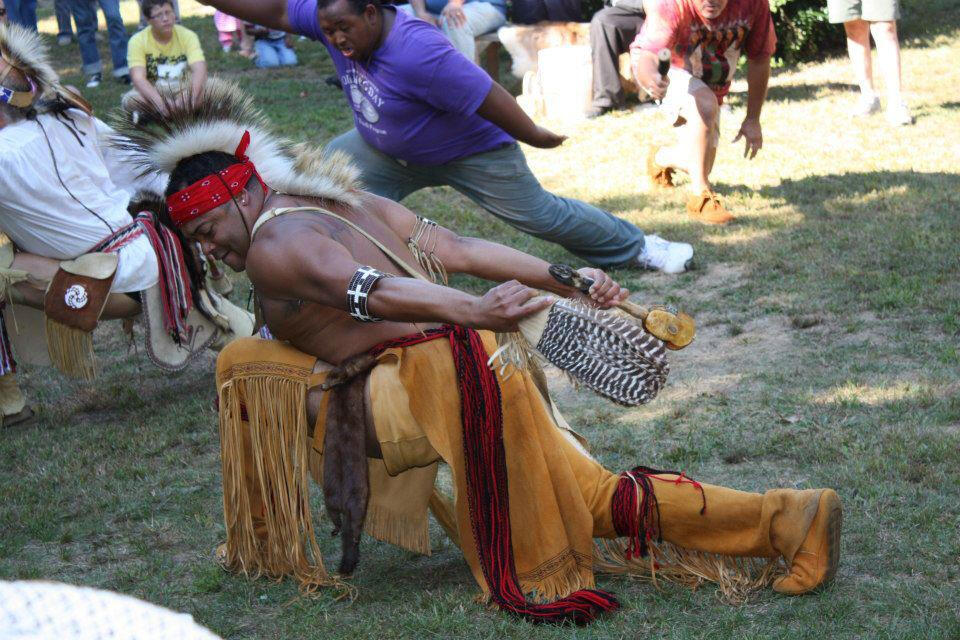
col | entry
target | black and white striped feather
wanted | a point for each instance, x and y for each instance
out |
(606, 352)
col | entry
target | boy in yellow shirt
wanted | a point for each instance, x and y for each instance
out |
(165, 57)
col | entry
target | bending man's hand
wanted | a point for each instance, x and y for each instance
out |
(501, 308)
(752, 136)
(605, 292)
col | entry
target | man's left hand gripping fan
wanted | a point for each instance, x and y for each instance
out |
(73, 304)
(620, 355)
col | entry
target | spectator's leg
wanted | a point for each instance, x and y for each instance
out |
(380, 173)
(22, 12)
(28, 14)
(501, 182)
(611, 31)
(529, 11)
(858, 46)
(64, 28)
(288, 57)
(118, 36)
(482, 17)
(564, 10)
(246, 41)
(888, 56)
(84, 13)
(696, 149)
(266, 54)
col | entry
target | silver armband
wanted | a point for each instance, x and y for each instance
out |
(358, 292)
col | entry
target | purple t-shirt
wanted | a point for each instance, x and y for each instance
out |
(417, 98)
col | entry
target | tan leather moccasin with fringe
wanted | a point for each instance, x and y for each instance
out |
(815, 562)
(659, 176)
(708, 209)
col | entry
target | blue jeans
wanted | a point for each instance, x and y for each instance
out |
(62, 10)
(23, 12)
(482, 17)
(85, 14)
(274, 53)
(501, 182)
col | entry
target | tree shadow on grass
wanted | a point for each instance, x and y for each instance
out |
(923, 22)
(805, 92)
(883, 240)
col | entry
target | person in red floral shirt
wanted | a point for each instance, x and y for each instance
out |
(705, 38)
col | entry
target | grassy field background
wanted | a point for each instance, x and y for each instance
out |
(828, 355)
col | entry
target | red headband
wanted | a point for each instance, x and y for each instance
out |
(208, 193)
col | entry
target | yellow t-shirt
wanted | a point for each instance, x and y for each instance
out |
(165, 63)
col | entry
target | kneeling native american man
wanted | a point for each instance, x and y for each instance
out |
(341, 280)
(64, 196)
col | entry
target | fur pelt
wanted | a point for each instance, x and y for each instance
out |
(215, 120)
(524, 42)
(346, 487)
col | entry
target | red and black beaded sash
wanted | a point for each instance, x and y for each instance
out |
(486, 471)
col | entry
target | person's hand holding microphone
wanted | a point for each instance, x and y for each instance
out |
(657, 84)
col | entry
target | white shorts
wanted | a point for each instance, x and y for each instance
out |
(679, 101)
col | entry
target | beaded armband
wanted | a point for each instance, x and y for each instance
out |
(358, 292)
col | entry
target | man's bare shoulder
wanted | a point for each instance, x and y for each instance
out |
(281, 243)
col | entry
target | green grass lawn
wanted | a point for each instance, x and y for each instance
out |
(828, 355)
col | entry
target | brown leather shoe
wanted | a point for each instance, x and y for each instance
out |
(659, 176)
(815, 562)
(708, 209)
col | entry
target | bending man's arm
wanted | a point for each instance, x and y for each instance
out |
(315, 268)
(490, 260)
(269, 13)
(500, 108)
(758, 76)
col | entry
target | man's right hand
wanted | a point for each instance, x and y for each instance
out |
(504, 306)
(649, 78)
(543, 138)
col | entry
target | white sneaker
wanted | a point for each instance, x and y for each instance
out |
(898, 114)
(866, 105)
(94, 81)
(662, 255)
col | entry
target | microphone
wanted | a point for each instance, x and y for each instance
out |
(663, 62)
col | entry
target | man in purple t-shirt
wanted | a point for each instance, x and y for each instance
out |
(424, 116)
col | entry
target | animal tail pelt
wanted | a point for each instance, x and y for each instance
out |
(346, 486)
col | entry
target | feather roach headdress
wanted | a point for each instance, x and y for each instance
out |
(25, 51)
(222, 118)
